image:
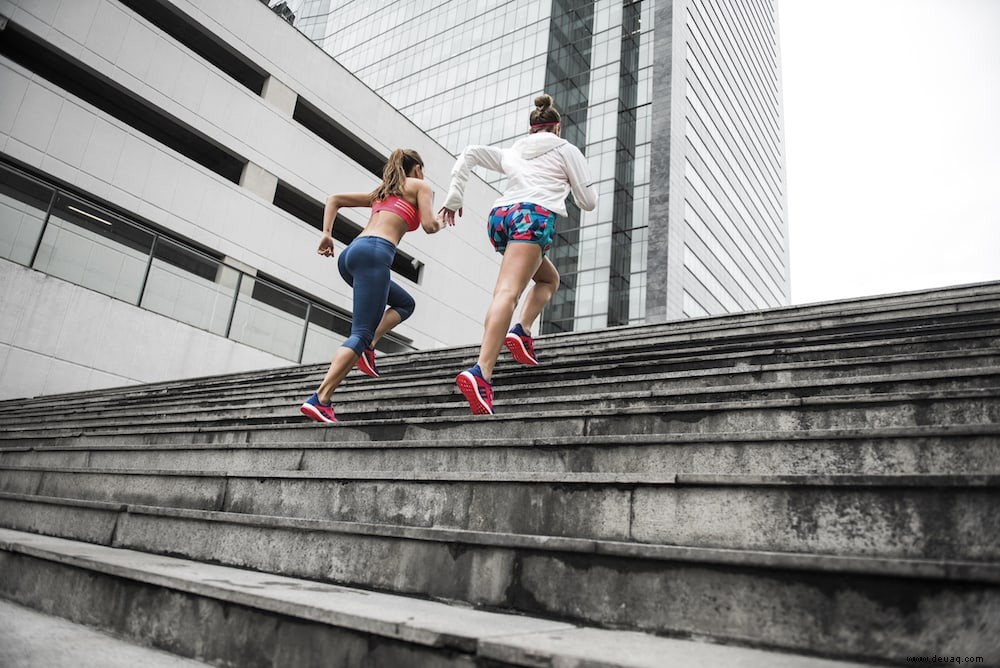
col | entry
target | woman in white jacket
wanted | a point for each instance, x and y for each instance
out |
(542, 169)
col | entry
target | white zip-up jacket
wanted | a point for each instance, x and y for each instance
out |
(541, 168)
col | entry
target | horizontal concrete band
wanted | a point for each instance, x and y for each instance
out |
(915, 517)
(928, 450)
(958, 571)
(689, 387)
(606, 440)
(514, 639)
(735, 602)
(895, 409)
(630, 479)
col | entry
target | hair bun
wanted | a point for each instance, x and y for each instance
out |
(543, 101)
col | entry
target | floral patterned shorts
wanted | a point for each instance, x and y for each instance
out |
(521, 222)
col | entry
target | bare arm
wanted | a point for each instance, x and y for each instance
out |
(333, 204)
(425, 208)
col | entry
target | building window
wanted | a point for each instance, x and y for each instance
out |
(72, 238)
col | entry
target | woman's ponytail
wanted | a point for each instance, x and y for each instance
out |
(399, 164)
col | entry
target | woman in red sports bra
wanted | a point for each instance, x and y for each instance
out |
(401, 204)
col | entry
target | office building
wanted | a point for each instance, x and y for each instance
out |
(677, 105)
(163, 168)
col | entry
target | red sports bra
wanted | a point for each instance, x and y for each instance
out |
(401, 208)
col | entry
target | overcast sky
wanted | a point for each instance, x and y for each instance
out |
(892, 123)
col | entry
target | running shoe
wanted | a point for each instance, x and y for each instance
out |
(366, 363)
(520, 345)
(477, 391)
(318, 411)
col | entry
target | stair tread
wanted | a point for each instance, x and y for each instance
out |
(490, 635)
(945, 569)
(632, 478)
(919, 431)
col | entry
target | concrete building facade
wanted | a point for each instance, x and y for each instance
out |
(676, 103)
(163, 166)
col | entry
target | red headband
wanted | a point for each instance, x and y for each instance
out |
(544, 125)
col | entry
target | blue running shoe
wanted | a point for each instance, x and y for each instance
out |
(521, 346)
(318, 411)
(477, 391)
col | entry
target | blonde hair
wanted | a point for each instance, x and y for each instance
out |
(399, 164)
(545, 116)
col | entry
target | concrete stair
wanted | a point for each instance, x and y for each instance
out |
(812, 485)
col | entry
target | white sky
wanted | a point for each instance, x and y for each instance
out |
(892, 124)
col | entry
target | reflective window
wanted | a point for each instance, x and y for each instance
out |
(91, 246)
(23, 204)
(188, 286)
(269, 318)
(95, 249)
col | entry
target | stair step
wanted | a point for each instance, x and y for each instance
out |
(767, 381)
(444, 401)
(589, 416)
(905, 516)
(934, 449)
(272, 616)
(820, 480)
(839, 606)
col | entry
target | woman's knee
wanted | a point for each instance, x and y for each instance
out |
(404, 307)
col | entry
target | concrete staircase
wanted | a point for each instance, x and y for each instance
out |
(815, 485)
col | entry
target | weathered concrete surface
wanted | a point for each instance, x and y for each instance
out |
(961, 523)
(255, 619)
(916, 450)
(30, 639)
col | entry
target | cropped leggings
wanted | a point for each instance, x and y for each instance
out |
(366, 265)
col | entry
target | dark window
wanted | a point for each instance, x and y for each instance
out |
(94, 88)
(194, 36)
(338, 137)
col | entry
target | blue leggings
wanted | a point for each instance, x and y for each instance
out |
(366, 265)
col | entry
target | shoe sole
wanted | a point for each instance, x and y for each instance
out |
(467, 384)
(517, 349)
(365, 368)
(310, 411)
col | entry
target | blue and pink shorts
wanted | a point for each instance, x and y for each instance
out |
(522, 222)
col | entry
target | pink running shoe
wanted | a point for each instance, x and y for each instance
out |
(366, 363)
(477, 391)
(521, 346)
(312, 408)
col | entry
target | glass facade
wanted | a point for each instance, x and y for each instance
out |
(77, 240)
(735, 223)
(466, 73)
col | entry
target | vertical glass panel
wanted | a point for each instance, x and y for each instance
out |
(190, 287)
(326, 331)
(94, 248)
(23, 204)
(268, 318)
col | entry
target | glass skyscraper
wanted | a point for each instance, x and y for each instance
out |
(676, 104)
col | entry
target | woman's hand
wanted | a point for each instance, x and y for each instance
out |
(326, 245)
(447, 216)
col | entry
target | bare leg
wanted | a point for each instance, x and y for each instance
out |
(546, 282)
(519, 264)
(389, 320)
(341, 364)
